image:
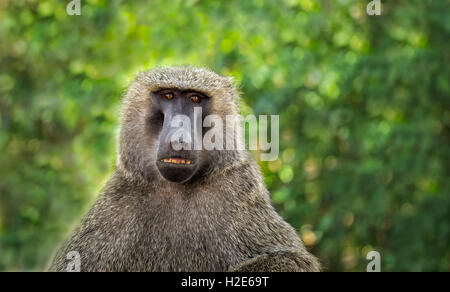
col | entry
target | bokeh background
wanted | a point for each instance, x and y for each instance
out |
(364, 105)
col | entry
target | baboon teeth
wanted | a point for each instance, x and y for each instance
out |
(177, 161)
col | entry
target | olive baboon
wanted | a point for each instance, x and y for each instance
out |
(187, 210)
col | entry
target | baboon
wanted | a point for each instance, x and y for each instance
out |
(186, 210)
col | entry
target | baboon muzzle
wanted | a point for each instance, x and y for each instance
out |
(176, 159)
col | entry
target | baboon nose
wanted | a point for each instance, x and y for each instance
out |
(179, 140)
(180, 144)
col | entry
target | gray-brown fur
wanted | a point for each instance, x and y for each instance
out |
(222, 220)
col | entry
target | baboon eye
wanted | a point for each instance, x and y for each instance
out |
(195, 98)
(168, 95)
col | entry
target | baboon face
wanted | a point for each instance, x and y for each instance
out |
(150, 145)
(176, 118)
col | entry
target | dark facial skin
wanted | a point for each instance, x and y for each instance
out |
(177, 165)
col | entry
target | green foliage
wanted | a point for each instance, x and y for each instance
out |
(364, 105)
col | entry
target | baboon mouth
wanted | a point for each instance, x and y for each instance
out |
(176, 160)
(176, 169)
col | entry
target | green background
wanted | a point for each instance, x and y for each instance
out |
(364, 105)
